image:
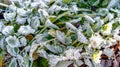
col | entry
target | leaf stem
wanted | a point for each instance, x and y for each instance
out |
(4, 5)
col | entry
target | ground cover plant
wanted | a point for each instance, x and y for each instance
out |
(60, 33)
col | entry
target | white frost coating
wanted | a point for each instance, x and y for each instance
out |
(25, 30)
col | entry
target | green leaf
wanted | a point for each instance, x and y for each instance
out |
(40, 62)
(66, 1)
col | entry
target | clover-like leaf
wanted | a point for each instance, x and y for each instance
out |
(25, 30)
(12, 51)
(20, 20)
(12, 41)
(8, 30)
(13, 63)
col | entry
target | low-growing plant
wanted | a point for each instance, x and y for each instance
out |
(59, 33)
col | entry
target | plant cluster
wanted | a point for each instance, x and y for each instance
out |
(59, 33)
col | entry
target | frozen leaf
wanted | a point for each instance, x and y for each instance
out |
(98, 24)
(69, 25)
(13, 63)
(43, 13)
(50, 24)
(22, 12)
(109, 52)
(2, 42)
(23, 41)
(74, 8)
(34, 4)
(79, 62)
(112, 3)
(12, 41)
(43, 53)
(54, 49)
(8, 30)
(40, 38)
(9, 16)
(20, 20)
(53, 60)
(12, 51)
(89, 30)
(88, 62)
(75, 20)
(34, 22)
(60, 36)
(64, 63)
(81, 37)
(25, 30)
(1, 26)
(54, 9)
(89, 19)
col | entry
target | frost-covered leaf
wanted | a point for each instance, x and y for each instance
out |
(54, 9)
(22, 12)
(74, 8)
(75, 20)
(89, 30)
(79, 62)
(9, 16)
(98, 24)
(34, 22)
(43, 53)
(81, 37)
(89, 19)
(64, 63)
(2, 42)
(13, 63)
(53, 60)
(8, 30)
(40, 38)
(43, 13)
(1, 26)
(12, 41)
(20, 20)
(23, 41)
(12, 51)
(69, 25)
(34, 4)
(60, 36)
(112, 3)
(54, 49)
(88, 62)
(50, 24)
(109, 52)
(25, 30)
